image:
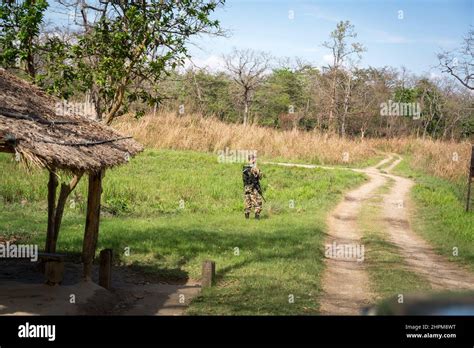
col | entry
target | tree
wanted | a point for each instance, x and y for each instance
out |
(247, 68)
(341, 50)
(432, 107)
(20, 23)
(281, 93)
(207, 94)
(123, 45)
(459, 121)
(460, 64)
(125, 48)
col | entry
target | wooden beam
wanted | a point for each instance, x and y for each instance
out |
(92, 223)
(52, 185)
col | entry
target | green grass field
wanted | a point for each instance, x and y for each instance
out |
(260, 264)
(175, 209)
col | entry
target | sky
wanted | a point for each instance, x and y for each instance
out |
(395, 33)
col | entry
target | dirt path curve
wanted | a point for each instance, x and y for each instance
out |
(345, 283)
(418, 254)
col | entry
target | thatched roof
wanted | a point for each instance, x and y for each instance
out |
(30, 126)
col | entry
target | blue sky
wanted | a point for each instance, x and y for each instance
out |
(426, 27)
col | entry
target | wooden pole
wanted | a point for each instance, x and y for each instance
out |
(468, 202)
(92, 223)
(64, 193)
(52, 185)
(469, 181)
(105, 269)
(208, 273)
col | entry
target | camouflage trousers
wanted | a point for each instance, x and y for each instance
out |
(252, 199)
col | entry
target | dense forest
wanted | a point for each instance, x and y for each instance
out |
(109, 55)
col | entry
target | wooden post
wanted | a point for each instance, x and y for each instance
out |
(56, 209)
(468, 202)
(54, 272)
(469, 180)
(105, 269)
(52, 267)
(92, 223)
(208, 273)
(52, 185)
(64, 193)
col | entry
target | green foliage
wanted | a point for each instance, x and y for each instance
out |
(432, 107)
(468, 127)
(130, 41)
(281, 90)
(20, 23)
(206, 93)
(126, 60)
(138, 42)
(116, 205)
(406, 95)
(57, 76)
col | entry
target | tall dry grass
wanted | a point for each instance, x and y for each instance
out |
(193, 132)
(446, 159)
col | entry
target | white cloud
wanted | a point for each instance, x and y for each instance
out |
(212, 63)
(312, 49)
(314, 11)
(434, 76)
(328, 58)
(382, 36)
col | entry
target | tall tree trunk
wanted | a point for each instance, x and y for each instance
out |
(30, 65)
(246, 106)
(332, 122)
(347, 97)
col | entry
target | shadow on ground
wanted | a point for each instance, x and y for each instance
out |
(135, 291)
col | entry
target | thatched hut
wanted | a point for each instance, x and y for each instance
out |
(32, 128)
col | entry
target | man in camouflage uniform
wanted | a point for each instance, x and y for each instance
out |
(253, 194)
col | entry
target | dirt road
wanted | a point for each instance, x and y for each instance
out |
(345, 282)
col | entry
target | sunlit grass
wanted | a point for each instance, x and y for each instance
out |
(259, 263)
